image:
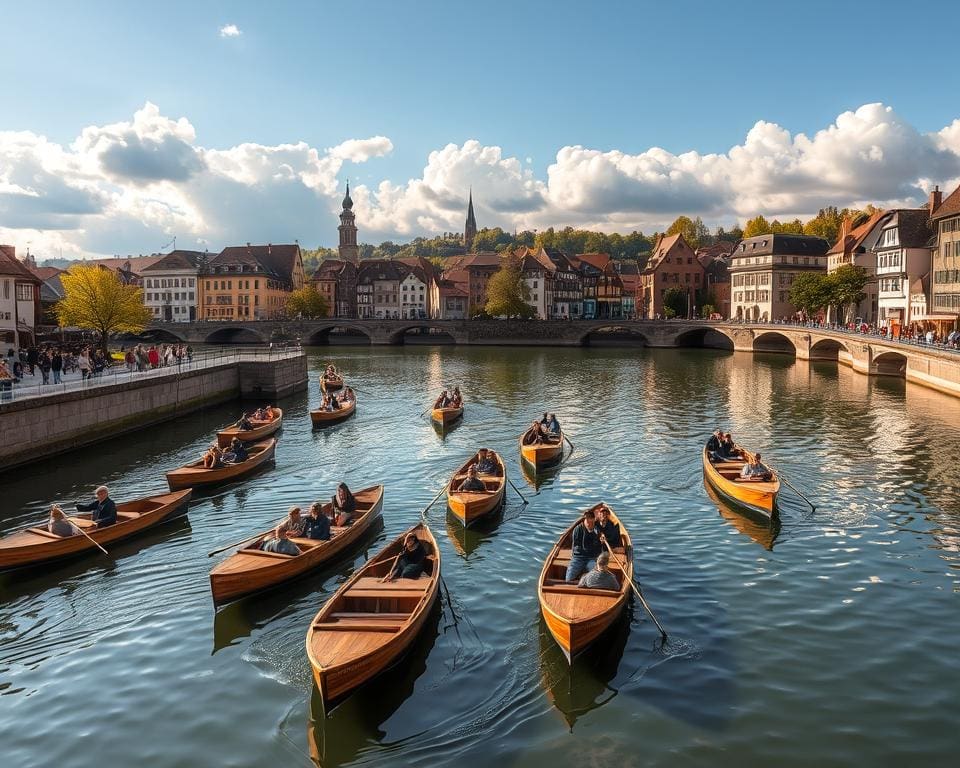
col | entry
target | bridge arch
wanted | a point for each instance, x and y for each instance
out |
(613, 335)
(827, 349)
(706, 336)
(232, 334)
(890, 364)
(426, 333)
(161, 336)
(341, 332)
(774, 341)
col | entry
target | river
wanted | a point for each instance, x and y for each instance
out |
(830, 640)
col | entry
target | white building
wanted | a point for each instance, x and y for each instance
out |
(19, 297)
(170, 287)
(413, 295)
(903, 261)
(538, 271)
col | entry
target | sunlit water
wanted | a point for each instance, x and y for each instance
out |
(830, 641)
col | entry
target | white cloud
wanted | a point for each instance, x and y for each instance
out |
(230, 30)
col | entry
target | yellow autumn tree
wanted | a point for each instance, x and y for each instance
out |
(95, 299)
(307, 302)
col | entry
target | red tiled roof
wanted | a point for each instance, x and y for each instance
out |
(11, 265)
(450, 289)
(137, 263)
(280, 259)
(949, 207)
(856, 236)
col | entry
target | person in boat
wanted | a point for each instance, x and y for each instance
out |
(236, 453)
(715, 445)
(457, 399)
(553, 426)
(347, 396)
(600, 577)
(332, 403)
(609, 530)
(344, 505)
(534, 435)
(443, 401)
(755, 470)
(317, 524)
(244, 424)
(586, 546)
(213, 458)
(280, 541)
(485, 462)
(102, 509)
(409, 564)
(729, 450)
(59, 525)
(472, 483)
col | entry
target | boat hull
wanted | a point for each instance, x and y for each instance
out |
(469, 507)
(538, 456)
(329, 418)
(29, 548)
(330, 385)
(444, 417)
(224, 436)
(243, 574)
(193, 476)
(756, 498)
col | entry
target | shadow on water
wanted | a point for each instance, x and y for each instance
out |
(442, 431)
(584, 685)
(357, 725)
(544, 477)
(761, 530)
(467, 540)
(234, 622)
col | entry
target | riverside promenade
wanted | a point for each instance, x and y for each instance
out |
(43, 420)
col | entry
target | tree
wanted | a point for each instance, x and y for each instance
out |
(307, 302)
(675, 300)
(826, 224)
(846, 286)
(693, 231)
(810, 291)
(756, 226)
(94, 298)
(507, 293)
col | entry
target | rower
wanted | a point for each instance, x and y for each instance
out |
(586, 546)
(755, 470)
(102, 510)
(409, 564)
(553, 427)
(59, 525)
(236, 453)
(533, 436)
(472, 483)
(485, 463)
(244, 424)
(344, 505)
(600, 577)
(280, 542)
(609, 530)
(443, 401)
(715, 444)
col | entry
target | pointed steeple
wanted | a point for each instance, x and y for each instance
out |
(347, 200)
(349, 250)
(470, 228)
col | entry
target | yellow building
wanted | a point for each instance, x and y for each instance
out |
(251, 282)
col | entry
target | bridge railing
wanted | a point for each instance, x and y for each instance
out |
(118, 373)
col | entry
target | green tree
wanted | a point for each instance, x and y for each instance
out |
(507, 293)
(825, 224)
(846, 286)
(675, 300)
(756, 226)
(810, 292)
(94, 298)
(307, 302)
(691, 230)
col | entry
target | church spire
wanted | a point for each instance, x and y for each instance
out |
(470, 228)
(348, 248)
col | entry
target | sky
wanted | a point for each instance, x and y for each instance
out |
(124, 124)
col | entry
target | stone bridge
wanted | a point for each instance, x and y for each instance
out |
(870, 355)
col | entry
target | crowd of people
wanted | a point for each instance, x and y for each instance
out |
(335, 401)
(449, 399)
(316, 524)
(589, 564)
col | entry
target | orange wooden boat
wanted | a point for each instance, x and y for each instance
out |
(444, 417)
(757, 496)
(195, 474)
(577, 616)
(367, 625)
(250, 569)
(470, 506)
(539, 455)
(331, 383)
(322, 418)
(37, 545)
(261, 429)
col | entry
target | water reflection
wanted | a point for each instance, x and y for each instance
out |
(585, 684)
(763, 531)
(467, 540)
(360, 723)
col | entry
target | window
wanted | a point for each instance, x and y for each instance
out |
(24, 292)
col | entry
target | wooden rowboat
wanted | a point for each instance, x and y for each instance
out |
(541, 454)
(367, 625)
(261, 429)
(322, 418)
(331, 383)
(577, 616)
(444, 417)
(756, 496)
(37, 545)
(195, 474)
(470, 506)
(250, 569)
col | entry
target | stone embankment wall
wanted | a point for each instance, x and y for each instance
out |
(44, 426)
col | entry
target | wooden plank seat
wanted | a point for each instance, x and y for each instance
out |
(45, 533)
(260, 552)
(127, 515)
(358, 626)
(373, 584)
(371, 616)
(566, 588)
(305, 543)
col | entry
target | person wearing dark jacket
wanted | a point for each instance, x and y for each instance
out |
(586, 546)
(317, 524)
(56, 365)
(608, 529)
(409, 564)
(102, 510)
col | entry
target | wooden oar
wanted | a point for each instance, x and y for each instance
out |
(635, 588)
(518, 491)
(87, 535)
(797, 491)
(568, 441)
(392, 565)
(423, 514)
(238, 543)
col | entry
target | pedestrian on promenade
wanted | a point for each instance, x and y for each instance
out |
(153, 356)
(130, 359)
(83, 363)
(56, 365)
(45, 365)
(32, 357)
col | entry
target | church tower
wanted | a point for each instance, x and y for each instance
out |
(349, 250)
(470, 228)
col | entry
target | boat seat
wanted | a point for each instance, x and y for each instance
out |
(260, 552)
(370, 616)
(306, 543)
(127, 515)
(45, 533)
(566, 588)
(358, 625)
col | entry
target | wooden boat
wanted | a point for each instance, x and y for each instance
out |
(37, 545)
(577, 616)
(764, 531)
(322, 418)
(368, 625)
(261, 429)
(470, 506)
(250, 570)
(331, 383)
(757, 496)
(444, 417)
(541, 454)
(195, 474)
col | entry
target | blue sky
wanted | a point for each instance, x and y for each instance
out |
(524, 79)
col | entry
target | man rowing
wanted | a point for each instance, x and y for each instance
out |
(409, 564)
(472, 483)
(755, 470)
(600, 577)
(102, 510)
(443, 401)
(485, 464)
(586, 546)
(280, 542)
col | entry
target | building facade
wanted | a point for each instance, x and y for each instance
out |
(449, 300)
(170, 286)
(567, 288)
(472, 273)
(601, 285)
(673, 264)
(854, 247)
(763, 268)
(903, 261)
(414, 297)
(251, 282)
(19, 301)
(945, 269)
